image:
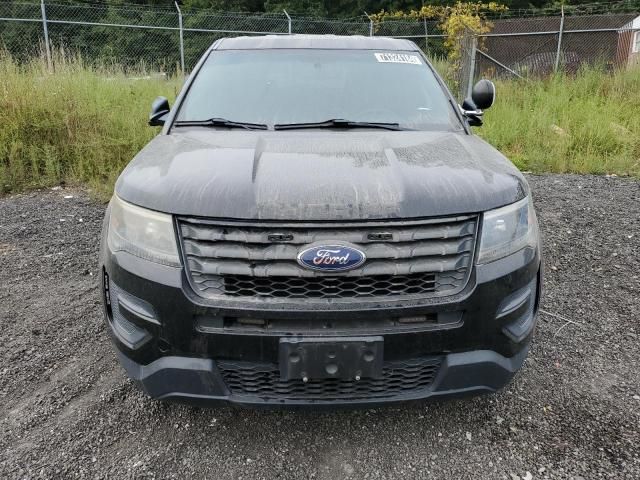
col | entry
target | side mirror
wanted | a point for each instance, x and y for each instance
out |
(472, 113)
(159, 110)
(483, 94)
(482, 97)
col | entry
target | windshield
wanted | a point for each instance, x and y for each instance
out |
(276, 87)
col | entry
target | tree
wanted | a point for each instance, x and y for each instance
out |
(312, 8)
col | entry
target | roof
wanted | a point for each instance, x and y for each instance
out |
(326, 42)
(552, 24)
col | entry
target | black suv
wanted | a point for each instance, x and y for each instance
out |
(317, 225)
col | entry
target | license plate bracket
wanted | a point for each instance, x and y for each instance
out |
(343, 358)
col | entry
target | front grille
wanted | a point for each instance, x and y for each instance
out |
(263, 381)
(422, 258)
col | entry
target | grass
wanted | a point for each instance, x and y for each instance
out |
(83, 124)
(587, 123)
(78, 124)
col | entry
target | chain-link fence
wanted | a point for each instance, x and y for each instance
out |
(156, 36)
(535, 47)
(165, 38)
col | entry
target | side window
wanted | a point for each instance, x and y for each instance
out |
(636, 42)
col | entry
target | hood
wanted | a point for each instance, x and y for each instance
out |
(319, 175)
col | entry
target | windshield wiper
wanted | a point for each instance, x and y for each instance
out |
(338, 123)
(220, 122)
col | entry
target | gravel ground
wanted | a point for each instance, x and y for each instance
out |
(67, 410)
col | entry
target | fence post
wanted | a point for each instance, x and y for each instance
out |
(181, 36)
(288, 20)
(560, 34)
(46, 34)
(472, 63)
(370, 24)
(426, 36)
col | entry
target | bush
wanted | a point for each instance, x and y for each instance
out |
(79, 124)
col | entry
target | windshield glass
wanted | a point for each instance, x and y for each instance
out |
(307, 86)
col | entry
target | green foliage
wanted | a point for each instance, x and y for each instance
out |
(454, 21)
(79, 124)
(589, 123)
(313, 8)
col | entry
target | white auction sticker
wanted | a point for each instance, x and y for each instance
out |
(398, 58)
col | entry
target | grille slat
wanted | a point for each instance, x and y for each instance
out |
(360, 235)
(292, 269)
(239, 251)
(263, 381)
(433, 257)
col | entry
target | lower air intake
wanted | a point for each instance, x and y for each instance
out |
(263, 381)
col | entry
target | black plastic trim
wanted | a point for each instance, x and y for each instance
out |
(131, 310)
(196, 380)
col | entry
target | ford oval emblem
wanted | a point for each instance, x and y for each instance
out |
(331, 258)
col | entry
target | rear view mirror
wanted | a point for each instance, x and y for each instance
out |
(483, 94)
(159, 111)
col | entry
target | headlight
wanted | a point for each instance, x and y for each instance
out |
(507, 230)
(143, 233)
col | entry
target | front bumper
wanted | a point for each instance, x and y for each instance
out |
(198, 380)
(170, 341)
